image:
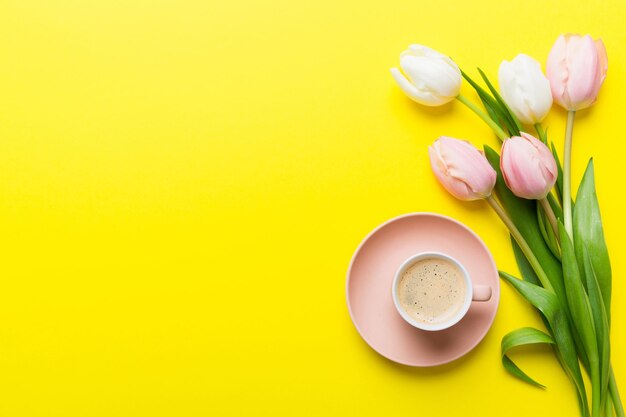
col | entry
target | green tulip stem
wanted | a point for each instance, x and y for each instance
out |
(617, 401)
(550, 214)
(493, 125)
(532, 259)
(567, 173)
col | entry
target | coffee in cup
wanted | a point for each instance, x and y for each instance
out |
(433, 291)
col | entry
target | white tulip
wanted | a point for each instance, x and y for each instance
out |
(525, 89)
(430, 78)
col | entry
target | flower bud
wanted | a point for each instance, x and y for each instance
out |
(525, 89)
(461, 169)
(528, 167)
(576, 69)
(430, 78)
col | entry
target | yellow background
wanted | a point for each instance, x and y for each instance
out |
(183, 183)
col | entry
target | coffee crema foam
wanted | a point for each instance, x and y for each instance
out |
(432, 290)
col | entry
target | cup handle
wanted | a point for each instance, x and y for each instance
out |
(481, 292)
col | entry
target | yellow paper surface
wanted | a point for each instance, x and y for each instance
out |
(183, 184)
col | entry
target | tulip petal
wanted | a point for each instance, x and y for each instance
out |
(461, 169)
(576, 69)
(435, 76)
(455, 187)
(525, 89)
(602, 56)
(466, 164)
(528, 167)
(603, 61)
(428, 77)
(412, 91)
(520, 169)
(557, 71)
(582, 61)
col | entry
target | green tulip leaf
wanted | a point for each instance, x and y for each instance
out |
(549, 304)
(577, 299)
(588, 233)
(513, 123)
(493, 108)
(488, 104)
(540, 298)
(522, 337)
(601, 324)
(582, 316)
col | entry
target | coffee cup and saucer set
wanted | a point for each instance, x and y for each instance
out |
(422, 289)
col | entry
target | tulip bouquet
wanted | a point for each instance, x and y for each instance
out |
(558, 242)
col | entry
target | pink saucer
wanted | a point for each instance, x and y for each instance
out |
(371, 273)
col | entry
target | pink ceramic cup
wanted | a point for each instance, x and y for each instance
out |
(472, 292)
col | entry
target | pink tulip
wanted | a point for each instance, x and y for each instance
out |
(576, 69)
(528, 167)
(461, 169)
